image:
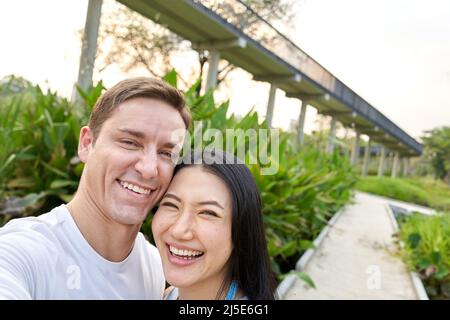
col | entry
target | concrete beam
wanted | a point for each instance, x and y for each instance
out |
(405, 166)
(88, 48)
(308, 97)
(211, 79)
(334, 113)
(365, 167)
(301, 122)
(382, 163)
(271, 104)
(355, 150)
(395, 165)
(332, 136)
(220, 45)
(278, 79)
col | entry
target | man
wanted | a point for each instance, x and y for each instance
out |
(91, 248)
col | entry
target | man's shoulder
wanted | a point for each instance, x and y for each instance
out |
(147, 247)
(32, 233)
(46, 220)
(149, 252)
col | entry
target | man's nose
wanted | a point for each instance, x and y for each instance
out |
(147, 165)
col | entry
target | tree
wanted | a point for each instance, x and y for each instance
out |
(132, 41)
(437, 151)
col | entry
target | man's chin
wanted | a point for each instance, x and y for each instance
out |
(129, 215)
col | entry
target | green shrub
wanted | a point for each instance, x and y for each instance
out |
(427, 251)
(38, 156)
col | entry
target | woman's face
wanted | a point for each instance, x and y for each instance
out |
(192, 229)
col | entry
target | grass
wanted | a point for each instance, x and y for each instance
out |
(419, 190)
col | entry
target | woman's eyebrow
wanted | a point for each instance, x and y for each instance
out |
(171, 195)
(211, 202)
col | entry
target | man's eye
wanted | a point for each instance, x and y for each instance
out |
(167, 154)
(129, 143)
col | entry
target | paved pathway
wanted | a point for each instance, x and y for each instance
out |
(354, 260)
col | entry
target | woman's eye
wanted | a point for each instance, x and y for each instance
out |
(210, 213)
(169, 204)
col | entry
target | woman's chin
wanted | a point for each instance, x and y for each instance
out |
(177, 279)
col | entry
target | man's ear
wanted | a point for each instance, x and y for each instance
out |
(85, 144)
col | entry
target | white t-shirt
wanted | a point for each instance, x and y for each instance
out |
(47, 257)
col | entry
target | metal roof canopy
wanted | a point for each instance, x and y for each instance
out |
(206, 29)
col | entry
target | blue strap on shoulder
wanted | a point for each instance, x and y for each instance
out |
(231, 294)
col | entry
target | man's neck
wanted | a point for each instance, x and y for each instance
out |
(113, 241)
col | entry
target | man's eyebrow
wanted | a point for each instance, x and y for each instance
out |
(141, 135)
(170, 145)
(137, 134)
(211, 202)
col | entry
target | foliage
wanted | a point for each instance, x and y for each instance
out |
(419, 190)
(40, 168)
(437, 151)
(427, 251)
(39, 165)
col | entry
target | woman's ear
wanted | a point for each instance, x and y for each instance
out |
(85, 144)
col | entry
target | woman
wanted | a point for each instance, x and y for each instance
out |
(209, 231)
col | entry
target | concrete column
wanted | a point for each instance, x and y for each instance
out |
(355, 150)
(301, 122)
(211, 79)
(332, 136)
(365, 167)
(271, 104)
(395, 165)
(405, 166)
(382, 161)
(88, 48)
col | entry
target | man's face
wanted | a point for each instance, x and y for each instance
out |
(130, 165)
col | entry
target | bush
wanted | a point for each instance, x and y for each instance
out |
(427, 251)
(39, 167)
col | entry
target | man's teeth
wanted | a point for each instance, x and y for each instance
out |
(134, 188)
(185, 253)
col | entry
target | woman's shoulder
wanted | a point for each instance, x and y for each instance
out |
(171, 293)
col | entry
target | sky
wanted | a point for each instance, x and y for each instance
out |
(395, 54)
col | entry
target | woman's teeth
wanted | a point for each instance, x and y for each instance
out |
(185, 254)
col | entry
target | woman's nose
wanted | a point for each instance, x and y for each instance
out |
(182, 228)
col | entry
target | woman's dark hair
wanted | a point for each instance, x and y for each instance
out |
(249, 261)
